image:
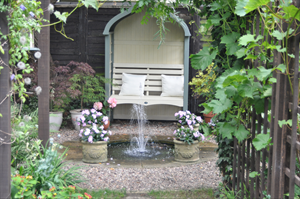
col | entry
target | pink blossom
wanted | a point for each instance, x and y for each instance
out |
(98, 105)
(112, 102)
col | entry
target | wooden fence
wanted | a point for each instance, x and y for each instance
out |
(276, 166)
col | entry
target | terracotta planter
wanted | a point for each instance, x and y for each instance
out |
(207, 117)
(95, 152)
(185, 152)
(106, 126)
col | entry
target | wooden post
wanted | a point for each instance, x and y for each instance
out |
(44, 76)
(5, 129)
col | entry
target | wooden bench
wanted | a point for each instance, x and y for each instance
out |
(158, 107)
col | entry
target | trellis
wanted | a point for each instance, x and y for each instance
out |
(281, 176)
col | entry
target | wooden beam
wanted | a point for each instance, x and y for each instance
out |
(44, 76)
(5, 129)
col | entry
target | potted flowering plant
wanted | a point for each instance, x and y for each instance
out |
(187, 136)
(105, 108)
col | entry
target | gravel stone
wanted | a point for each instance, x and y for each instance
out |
(191, 176)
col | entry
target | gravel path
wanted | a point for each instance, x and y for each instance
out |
(192, 176)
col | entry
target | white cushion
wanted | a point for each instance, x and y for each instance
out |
(172, 86)
(133, 84)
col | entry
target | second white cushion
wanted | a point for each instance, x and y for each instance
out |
(172, 86)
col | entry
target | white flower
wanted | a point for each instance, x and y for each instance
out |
(21, 124)
(51, 8)
(37, 54)
(23, 40)
(27, 81)
(27, 118)
(21, 65)
(38, 90)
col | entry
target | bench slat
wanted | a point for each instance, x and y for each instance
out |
(146, 88)
(129, 65)
(150, 100)
(135, 71)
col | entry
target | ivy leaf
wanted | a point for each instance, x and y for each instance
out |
(203, 59)
(215, 19)
(268, 92)
(92, 3)
(240, 8)
(281, 67)
(215, 6)
(291, 11)
(220, 106)
(279, 49)
(63, 17)
(231, 44)
(263, 73)
(1, 50)
(241, 52)
(278, 35)
(253, 174)
(284, 122)
(254, 4)
(226, 130)
(241, 134)
(245, 89)
(245, 39)
(233, 79)
(261, 141)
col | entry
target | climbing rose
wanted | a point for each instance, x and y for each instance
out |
(27, 81)
(23, 40)
(37, 55)
(38, 90)
(51, 8)
(98, 105)
(21, 65)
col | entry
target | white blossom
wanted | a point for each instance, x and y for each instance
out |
(27, 81)
(37, 54)
(38, 90)
(21, 65)
(23, 40)
(21, 124)
(51, 8)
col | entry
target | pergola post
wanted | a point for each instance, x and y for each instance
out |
(44, 76)
(5, 128)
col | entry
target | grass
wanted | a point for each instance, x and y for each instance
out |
(106, 193)
(207, 193)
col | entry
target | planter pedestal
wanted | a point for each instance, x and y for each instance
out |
(185, 152)
(95, 152)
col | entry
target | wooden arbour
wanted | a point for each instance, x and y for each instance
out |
(130, 48)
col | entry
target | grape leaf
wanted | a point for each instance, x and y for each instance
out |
(203, 59)
(261, 141)
(241, 134)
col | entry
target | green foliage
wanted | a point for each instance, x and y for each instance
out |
(22, 187)
(202, 84)
(24, 139)
(49, 170)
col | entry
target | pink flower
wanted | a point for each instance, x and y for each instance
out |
(112, 102)
(98, 105)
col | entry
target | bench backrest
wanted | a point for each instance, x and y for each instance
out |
(153, 85)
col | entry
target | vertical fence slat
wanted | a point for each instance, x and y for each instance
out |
(257, 160)
(234, 163)
(5, 149)
(253, 119)
(238, 183)
(44, 82)
(294, 120)
(264, 151)
(243, 169)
